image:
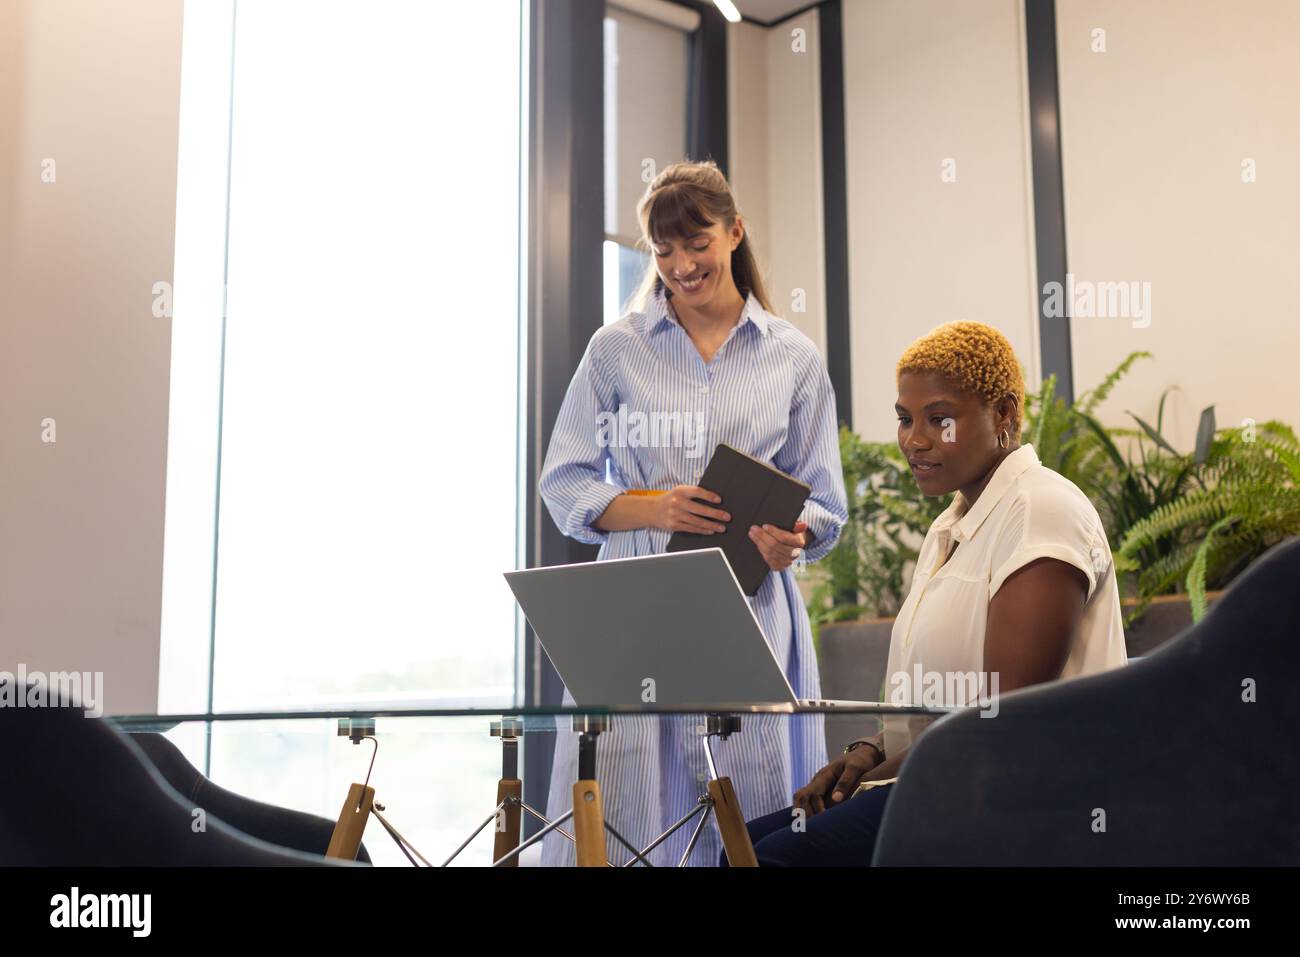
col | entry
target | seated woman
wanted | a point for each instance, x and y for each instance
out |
(1014, 583)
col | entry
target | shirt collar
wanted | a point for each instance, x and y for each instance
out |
(661, 314)
(964, 523)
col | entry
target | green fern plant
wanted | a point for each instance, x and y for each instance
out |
(1053, 427)
(1247, 499)
(1070, 440)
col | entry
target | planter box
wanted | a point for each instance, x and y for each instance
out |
(1166, 617)
(853, 658)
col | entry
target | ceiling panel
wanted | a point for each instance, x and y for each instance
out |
(769, 10)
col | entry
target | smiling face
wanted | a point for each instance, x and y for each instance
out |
(950, 437)
(697, 267)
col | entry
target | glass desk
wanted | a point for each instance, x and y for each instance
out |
(450, 786)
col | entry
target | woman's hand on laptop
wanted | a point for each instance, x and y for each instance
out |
(840, 777)
(678, 511)
(778, 547)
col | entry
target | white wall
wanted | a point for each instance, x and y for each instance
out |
(775, 157)
(747, 126)
(94, 87)
(926, 81)
(1154, 131)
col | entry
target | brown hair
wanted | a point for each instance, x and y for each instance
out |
(680, 201)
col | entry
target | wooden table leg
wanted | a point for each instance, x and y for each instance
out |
(588, 815)
(508, 818)
(731, 822)
(345, 842)
(589, 824)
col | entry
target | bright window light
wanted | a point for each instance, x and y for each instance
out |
(369, 400)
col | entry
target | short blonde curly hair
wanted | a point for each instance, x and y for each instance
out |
(975, 358)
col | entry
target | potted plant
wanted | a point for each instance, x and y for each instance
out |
(1184, 522)
(1126, 491)
(1245, 498)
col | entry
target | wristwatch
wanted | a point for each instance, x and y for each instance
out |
(857, 744)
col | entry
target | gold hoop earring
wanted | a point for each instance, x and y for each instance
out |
(1004, 439)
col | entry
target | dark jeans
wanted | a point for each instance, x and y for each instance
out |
(841, 836)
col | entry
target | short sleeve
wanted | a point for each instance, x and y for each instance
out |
(1053, 522)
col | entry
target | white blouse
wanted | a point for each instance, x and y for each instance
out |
(1026, 512)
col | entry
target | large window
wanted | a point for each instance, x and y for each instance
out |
(350, 434)
(343, 486)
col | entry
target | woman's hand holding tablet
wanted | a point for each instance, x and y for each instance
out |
(677, 510)
(778, 547)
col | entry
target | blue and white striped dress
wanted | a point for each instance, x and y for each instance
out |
(765, 392)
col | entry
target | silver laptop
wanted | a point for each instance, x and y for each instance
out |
(672, 630)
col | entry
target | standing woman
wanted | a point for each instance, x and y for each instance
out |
(700, 343)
